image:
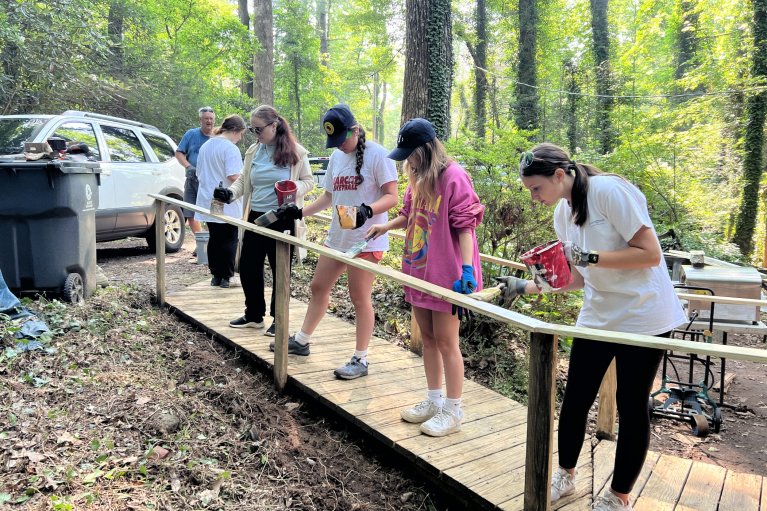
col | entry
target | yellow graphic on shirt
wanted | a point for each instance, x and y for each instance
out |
(417, 238)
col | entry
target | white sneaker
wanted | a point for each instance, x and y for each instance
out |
(562, 484)
(443, 423)
(421, 412)
(609, 501)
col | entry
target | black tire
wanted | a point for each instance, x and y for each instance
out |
(699, 425)
(717, 420)
(174, 230)
(74, 288)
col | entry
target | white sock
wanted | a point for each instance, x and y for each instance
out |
(302, 338)
(435, 396)
(362, 356)
(453, 406)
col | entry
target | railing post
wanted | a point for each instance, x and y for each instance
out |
(607, 406)
(541, 394)
(159, 237)
(282, 314)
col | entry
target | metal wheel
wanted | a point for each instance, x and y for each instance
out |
(174, 230)
(699, 425)
(74, 288)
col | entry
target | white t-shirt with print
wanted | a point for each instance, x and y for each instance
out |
(639, 301)
(340, 181)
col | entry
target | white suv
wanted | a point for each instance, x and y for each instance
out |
(136, 159)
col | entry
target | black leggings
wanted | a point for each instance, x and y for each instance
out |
(222, 249)
(636, 369)
(255, 250)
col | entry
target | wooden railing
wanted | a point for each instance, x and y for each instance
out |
(543, 341)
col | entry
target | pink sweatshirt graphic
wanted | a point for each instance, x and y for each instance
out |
(432, 252)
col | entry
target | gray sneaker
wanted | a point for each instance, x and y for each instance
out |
(294, 348)
(421, 412)
(352, 369)
(609, 501)
(562, 484)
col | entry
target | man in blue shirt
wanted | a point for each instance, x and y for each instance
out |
(186, 154)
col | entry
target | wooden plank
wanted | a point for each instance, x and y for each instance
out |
(644, 475)
(159, 236)
(541, 391)
(764, 495)
(282, 313)
(741, 492)
(608, 408)
(703, 488)
(604, 463)
(665, 485)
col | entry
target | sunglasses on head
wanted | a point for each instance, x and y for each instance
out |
(256, 130)
(526, 159)
(206, 109)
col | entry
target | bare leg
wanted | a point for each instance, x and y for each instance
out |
(445, 330)
(325, 276)
(360, 289)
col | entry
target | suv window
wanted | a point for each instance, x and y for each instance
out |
(14, 132)
(75, 131)
(123, 144)
(161, 147)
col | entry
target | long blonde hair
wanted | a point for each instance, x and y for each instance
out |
(424, 166)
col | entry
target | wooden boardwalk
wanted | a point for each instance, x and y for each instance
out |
(482, 465)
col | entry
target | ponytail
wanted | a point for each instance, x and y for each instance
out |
(360, 154)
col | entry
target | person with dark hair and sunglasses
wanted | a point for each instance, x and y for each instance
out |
(362, 182)
(276, 156)
(186, 154)
(616, 258)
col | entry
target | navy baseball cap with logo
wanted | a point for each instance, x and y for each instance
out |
(414, 133)
(337, 122)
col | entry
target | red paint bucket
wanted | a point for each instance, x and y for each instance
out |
(286, 192)
(549, 266)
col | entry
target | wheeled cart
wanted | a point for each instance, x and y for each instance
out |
(688, 399)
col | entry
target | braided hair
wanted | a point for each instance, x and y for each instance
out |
(360, 153)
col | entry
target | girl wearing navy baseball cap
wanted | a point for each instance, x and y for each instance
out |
(441, 213)
(361, 181)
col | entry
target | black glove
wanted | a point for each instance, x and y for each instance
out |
(511, 287)
(290, 211)
(225, 195)
(191, 172)
(363, 213)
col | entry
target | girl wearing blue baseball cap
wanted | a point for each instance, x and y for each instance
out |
(362, 181)
(441, 213)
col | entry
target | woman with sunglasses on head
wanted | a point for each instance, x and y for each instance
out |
(441, 212)
(219, 161)
(613, 250)
(276, 156)
(361, 180)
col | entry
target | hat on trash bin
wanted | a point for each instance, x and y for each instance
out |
(337, 122)
(414, 133)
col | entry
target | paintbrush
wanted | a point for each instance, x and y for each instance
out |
(358, 247)
(267, 219)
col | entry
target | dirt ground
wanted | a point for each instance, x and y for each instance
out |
(129, 408)
(741, 444)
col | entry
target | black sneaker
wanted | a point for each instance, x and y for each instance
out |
(224, 283)
(294, 348)
(215, 281)
(243, 322)
(271, 330)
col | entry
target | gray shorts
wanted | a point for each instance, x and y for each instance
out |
(190, 194)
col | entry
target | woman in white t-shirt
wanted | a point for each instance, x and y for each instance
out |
(359, 175)
(219, 161)
(613, 250)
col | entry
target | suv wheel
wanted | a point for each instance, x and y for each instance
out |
(174, 230)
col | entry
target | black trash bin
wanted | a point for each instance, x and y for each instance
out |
(48, 226)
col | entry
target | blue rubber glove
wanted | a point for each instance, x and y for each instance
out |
(465, 285)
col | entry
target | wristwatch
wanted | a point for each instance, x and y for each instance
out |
(590, 257)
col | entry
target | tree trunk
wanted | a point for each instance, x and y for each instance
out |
(322, 28)
(601, 41)
(480, 77)
(297, 94)
(115, 31)
(572, 105)
(263, 61)
(526, 111)
(428, 63)
(247, 83)
(380, 115)
(688, 43)
(754, 139)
